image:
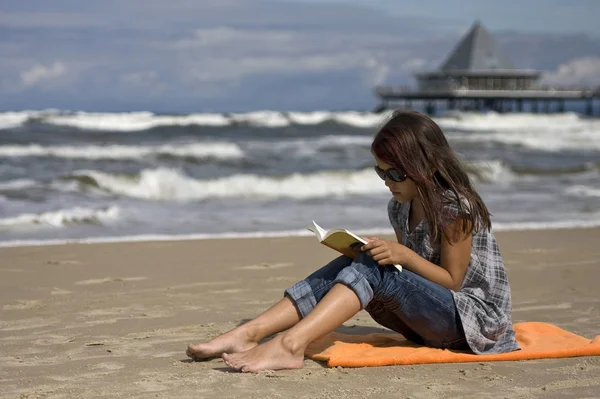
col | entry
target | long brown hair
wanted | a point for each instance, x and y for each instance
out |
(414, 143)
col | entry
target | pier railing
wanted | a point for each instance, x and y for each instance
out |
(539, 93)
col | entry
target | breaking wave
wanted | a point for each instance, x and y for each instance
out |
(62, 218)
(166, 184)
(546, 132)
(139, 121)
(171, 185)
(185, 150)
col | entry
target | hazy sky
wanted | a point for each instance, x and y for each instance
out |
(240, 55)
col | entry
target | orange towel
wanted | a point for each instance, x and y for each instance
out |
(537, 341)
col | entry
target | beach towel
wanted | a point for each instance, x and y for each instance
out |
(537, 341)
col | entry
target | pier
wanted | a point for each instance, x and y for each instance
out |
(478, 76)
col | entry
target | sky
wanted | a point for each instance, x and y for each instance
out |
(180, 56)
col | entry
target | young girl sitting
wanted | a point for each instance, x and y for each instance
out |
(452, 293)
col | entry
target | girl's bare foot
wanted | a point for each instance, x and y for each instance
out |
(276, 354)
(239, 339)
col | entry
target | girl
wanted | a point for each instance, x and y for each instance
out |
(453, 291)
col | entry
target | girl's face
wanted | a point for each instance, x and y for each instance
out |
(403, 191)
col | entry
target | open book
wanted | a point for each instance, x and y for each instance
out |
(340, 240)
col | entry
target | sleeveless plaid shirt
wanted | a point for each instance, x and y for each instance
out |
(483, 302)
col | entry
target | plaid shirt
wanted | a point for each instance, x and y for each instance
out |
(483, 302)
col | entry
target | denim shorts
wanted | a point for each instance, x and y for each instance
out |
(421, 310)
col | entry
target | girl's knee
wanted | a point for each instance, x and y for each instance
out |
(332, 269)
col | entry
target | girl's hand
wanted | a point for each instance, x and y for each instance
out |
(386, 252)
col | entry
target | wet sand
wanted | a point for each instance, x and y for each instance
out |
(114, 320)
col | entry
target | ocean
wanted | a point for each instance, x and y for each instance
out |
(85, 177)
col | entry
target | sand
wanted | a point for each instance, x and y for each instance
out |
(114, 320)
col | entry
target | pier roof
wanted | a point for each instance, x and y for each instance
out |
(477, 51)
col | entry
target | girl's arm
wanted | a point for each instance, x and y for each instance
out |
(399, 237)
(455, 257)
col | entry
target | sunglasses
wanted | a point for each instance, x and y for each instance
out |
(393, 174)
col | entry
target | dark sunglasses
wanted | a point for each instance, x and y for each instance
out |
(394, 174)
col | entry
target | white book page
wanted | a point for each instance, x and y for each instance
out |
(318, 230)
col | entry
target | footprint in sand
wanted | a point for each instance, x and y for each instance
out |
(264, 266)
(109, 280)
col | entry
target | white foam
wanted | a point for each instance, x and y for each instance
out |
(309, 118)
(510, 121)
(280, 234)
(144, 120)
(493, 171)
(61, 218)
(167, 184)
(360, 119)
(550, 132)
(262, 118)
(343, 141)
(583, 191)
(554, 225)
(192, 150)
(133, 121)
(310, 146)
(154, 237)
(17, 184)
(173, 185)
(9, 120)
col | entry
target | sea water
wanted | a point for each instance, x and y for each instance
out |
(129, 176)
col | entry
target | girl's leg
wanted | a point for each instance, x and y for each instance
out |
(410, 304)
(279, 317)
(422, 311)
(283, 315)
(325, 300)
(286, 351)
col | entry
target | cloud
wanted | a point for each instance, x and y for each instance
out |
(39, 72)
(239, 54)
(584, 71)
(228, 55)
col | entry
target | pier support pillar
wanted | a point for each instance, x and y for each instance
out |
(430, 108)
(534, 107)
(479, 105)
(452, 104)
(589, 109)
(519, 105)
(561, 106)
(546, 107)
(500, 106)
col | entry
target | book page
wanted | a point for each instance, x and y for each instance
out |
(318, 230)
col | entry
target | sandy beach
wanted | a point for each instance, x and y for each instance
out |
(114, 320)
